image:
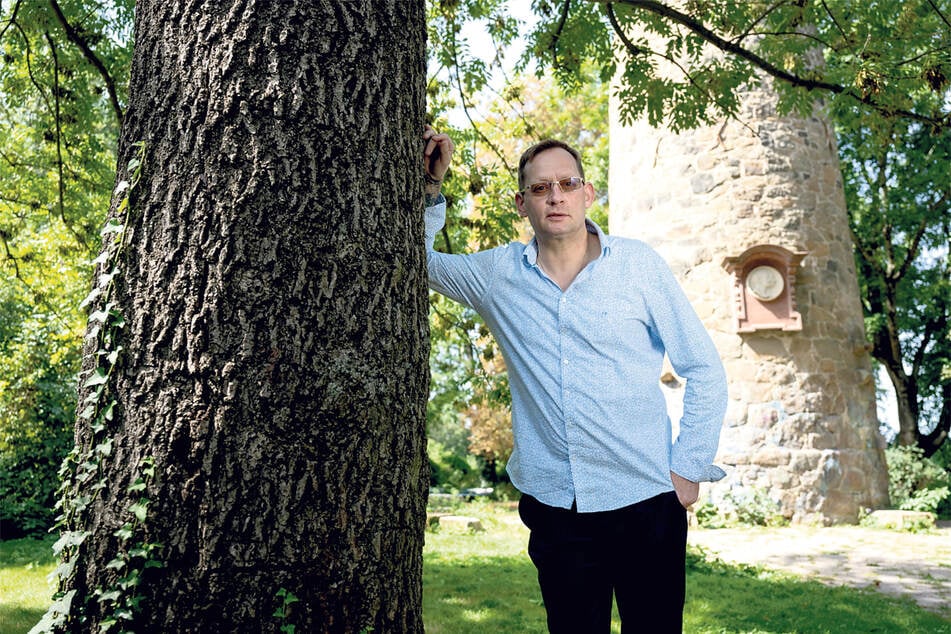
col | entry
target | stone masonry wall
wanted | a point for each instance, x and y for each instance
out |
(802, 423)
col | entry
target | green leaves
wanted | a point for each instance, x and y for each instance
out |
(685, 61)
(282, 612)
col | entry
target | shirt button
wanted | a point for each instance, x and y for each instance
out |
(564, 361)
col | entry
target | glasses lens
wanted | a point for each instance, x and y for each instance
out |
(539, 189)
(570, 184)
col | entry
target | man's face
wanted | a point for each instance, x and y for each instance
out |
(557, 214)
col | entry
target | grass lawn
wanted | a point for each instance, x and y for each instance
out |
(484, 583)
(24, 591)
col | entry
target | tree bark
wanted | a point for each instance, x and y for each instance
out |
(275, 350)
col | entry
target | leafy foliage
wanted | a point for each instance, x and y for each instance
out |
(741, 507)
(685, 60)
(59, 118)
(37, 369)
(899, 199)
(916, 483)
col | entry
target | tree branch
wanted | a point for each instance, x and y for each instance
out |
(845, 37)
(465, 107)
(557, 35)
(77, 39)
(940, 15)
(13, 17)
(695, 26)
(633, 49)
(61, 181)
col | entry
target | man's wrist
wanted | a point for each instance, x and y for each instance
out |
(431, 189)
(431, 195)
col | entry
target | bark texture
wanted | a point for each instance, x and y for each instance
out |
(275, 360)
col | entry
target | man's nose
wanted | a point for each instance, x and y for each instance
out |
(556, 194)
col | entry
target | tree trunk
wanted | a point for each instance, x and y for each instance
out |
(275, 345)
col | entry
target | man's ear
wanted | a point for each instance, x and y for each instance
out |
(520, 204)
(588, 195)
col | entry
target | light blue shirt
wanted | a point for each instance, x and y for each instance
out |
(588, 415)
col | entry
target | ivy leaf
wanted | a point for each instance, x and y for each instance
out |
(140, 510)
(98, 378)
(105, 447)
(124, 533)
(114, 356)
(93, 296)
(98, 315)
(112, 227)
(68, 539)
(116, 564)
(138, 485)
(102, 258)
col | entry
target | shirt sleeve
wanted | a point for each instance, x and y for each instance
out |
(462, 277)
(695, 358)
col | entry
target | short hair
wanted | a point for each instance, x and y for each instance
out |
(548, 144)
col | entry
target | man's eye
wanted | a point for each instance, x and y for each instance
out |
(540, 188)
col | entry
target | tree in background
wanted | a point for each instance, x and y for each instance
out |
(250, 440)
(62, 81)
(898, 190)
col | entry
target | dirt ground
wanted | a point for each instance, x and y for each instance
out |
(914, 565)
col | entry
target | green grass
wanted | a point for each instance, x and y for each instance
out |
(24, 591)
(484, 582)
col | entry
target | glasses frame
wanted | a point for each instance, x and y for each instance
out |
(563, 185)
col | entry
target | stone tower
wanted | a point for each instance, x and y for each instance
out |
(751, 217)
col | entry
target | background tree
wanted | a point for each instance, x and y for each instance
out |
(251, 426)
(898, 189)
(62, 81)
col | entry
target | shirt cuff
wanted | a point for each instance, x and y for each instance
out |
(701, 473)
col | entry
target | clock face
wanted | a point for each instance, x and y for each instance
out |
(765, 283)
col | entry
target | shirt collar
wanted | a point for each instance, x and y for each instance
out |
(531, 249)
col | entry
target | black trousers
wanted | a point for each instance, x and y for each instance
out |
(636, 554)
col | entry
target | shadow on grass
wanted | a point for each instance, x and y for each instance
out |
(734, 598)
(18, 620)
(24, 565)
(484, 594)
(500, 594)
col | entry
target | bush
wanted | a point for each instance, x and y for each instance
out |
(37, 409)
(916, 483)
(451, 469)
(741, 507)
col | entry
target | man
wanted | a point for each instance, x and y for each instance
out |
(584, 321)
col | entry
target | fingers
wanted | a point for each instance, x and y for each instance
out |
(437, 152)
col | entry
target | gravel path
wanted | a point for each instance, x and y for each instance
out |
(902, 564)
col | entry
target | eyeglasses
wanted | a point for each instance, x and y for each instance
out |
(570, 184)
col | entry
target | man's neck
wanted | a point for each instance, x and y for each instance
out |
(563, 258)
